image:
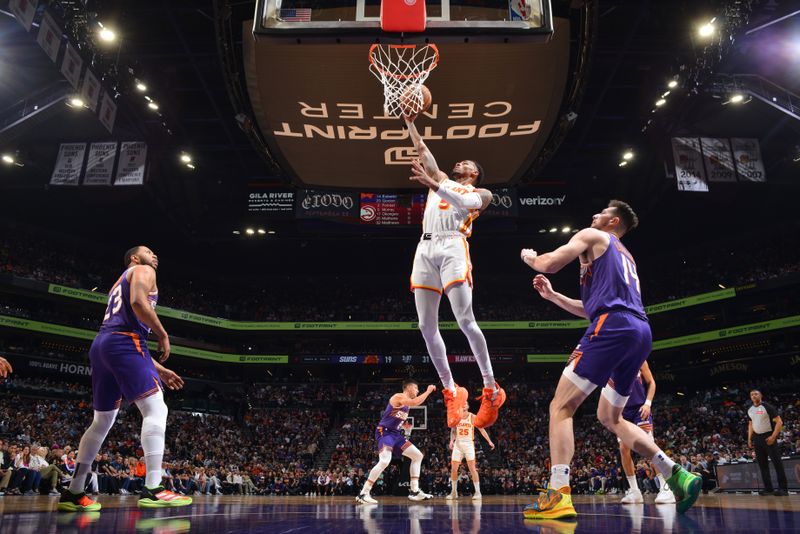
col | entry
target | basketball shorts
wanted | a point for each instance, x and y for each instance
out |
(463, 450)
(611, 352)
(440, 262)
(393, 439)
(633, 415)
(121, 367)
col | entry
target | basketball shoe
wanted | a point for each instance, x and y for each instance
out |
(365, 498)
(633, 496)
(552, 504)
(491, 401)
(77, 502)
(454, 404)
(685, 486)
(160, 497)
(419, 495)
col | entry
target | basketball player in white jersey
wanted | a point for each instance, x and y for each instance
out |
(462, 443)
(442, 265)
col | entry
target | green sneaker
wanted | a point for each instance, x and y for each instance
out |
(685, 486)
(77, 502)
(160, 497)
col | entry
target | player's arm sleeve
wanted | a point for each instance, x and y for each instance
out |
(459, 196)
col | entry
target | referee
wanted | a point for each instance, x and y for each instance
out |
(762, 433)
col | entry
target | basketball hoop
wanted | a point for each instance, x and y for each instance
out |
(402, 69)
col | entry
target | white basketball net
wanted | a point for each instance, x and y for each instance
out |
(402, 69)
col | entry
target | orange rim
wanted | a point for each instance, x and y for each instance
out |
(384, 72)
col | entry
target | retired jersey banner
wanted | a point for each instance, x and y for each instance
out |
(71, 65)
(24, 10)
(90, 90)
(132, 160)
(718, 159)
(69, 164)
(689, 164)
(108, 112)
(100, 163)
(749, 165)
(49, 37)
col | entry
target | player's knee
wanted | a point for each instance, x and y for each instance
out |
(428, 327)
(560, 409)
(607, 418)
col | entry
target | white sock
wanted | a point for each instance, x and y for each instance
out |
(460, 296)
(477, 487)
(89, 446)
(559, 476)
(662, 484)
(154, 429)
(632, 482)
(662, 462)
(427, 303)
(454, 485)
(384, 459)
(415, 455)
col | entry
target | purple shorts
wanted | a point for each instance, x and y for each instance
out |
(121, 367)
(393, 439)
(633, 415)
(612, 351)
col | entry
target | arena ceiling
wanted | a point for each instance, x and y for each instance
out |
(176, 47)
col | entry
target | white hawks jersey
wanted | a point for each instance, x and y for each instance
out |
(441, 216)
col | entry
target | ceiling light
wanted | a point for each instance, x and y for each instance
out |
(7, 158)
(574, 230)
(261, 231)
(721, 286)
(628, 155)
(660, 102)
(141, 87)
(565, 230)
(665, 94)
(553, 230)
(190, 166)
(236, 232)
(737, 98)
(107, 35)
(707, 30)
(250, 231)
(673, 84)
(152, 105)
(623, 163)
(542, 231)
(271, 232)
(75, 102)
(186, 158)
(148, 98)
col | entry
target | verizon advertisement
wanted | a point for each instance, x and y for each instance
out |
(325, 120)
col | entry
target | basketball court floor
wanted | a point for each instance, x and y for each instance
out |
(496, 514)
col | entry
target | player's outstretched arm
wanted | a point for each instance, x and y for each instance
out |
(143, 279)
(401, 399)
(424, 154)
(5, 367)
(552, 262)
(545, 289)
(486, 437)
(450, 191)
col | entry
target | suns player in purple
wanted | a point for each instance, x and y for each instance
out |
(638, 411)
(391, 440)
(123, 368)
(609, 355)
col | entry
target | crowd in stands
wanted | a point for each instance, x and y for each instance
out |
(359, 297)
(306, 439)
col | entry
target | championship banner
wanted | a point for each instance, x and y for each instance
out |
(689, 164)
(108, 112)
(49, 37)
(132, 160)
(71, 65)
(313, 204)
(100, 163)
(718, 159)
(24, 10)
(504, 203)
(90, 90)
(749, 165)
(69, 164)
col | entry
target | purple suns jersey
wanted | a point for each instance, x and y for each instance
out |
(611, 282)
(119, 315)
(393, 417)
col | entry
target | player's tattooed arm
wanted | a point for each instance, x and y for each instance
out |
(424, 154)
(486, 197)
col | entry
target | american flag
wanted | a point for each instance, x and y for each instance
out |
(296, 15)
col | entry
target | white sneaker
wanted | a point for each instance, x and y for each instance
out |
(419, 496)
(477, 496)
(632, 496)
(665, 496)
(124, 492)
(365, 498)
(452, 496)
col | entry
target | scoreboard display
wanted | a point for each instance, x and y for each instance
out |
(381, 209)
(394, 359)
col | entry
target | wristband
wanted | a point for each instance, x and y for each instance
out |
(648, 402)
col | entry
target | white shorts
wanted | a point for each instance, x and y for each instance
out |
(463, 450)
(441, 262)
